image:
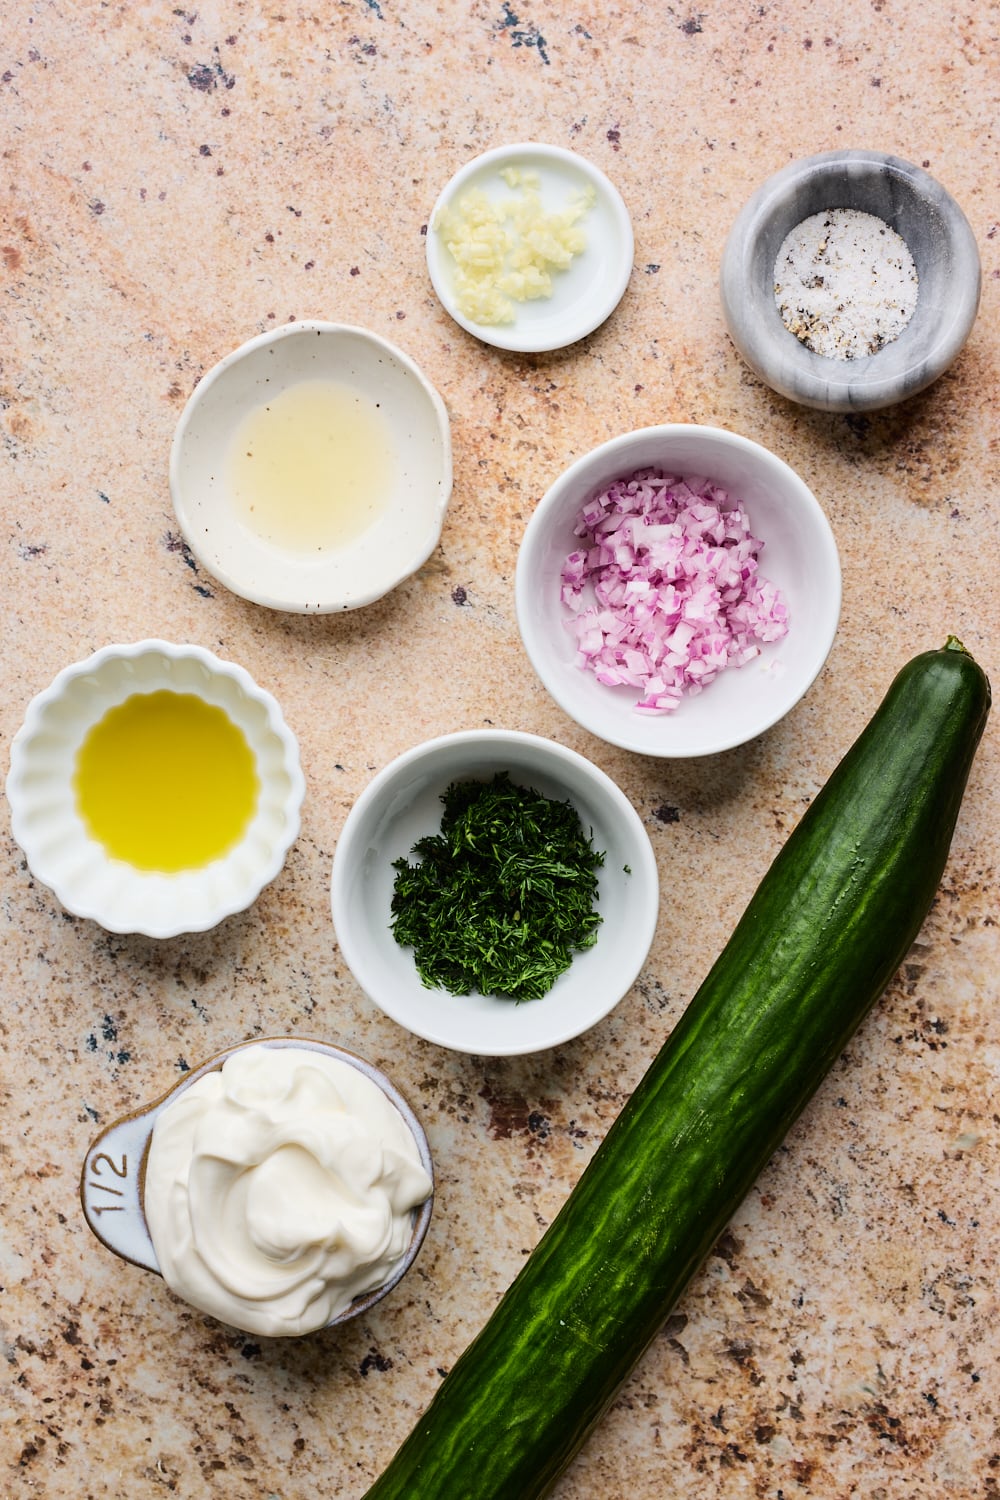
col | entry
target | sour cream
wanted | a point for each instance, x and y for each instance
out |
(279, 1188)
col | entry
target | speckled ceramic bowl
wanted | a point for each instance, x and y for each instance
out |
(799, 555)
(112, 1182)
(47, 823)
(417, 443)
(938, 237)
(403, 804)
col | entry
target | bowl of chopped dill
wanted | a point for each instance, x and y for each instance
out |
(494, 892)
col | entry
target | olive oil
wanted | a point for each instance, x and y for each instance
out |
(166, 781)
(311, 469)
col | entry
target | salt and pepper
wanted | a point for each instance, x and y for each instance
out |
(845, 283)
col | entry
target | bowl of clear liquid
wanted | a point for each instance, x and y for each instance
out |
(311, 468)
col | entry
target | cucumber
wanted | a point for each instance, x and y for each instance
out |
(827, 928)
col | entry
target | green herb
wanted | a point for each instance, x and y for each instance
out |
(502, 897)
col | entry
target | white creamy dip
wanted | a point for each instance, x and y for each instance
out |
(279, 1188)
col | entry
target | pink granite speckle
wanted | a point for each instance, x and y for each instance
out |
(177, 181)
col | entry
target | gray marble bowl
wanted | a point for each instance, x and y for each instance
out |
(939, 239)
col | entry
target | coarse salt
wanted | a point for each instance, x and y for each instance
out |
(845, 283)
(666, 592)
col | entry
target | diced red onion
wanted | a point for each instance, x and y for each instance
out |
(664, 590)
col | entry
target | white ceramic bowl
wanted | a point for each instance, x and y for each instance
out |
(418, 486)
(402, 804)
(799, 555)
(112, 1182)
(587, 291)
(47, 824)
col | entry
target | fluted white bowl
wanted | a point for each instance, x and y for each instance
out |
(47, 823)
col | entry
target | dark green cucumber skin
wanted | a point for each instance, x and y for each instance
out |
(824, 933)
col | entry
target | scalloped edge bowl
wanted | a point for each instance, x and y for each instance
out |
(75, 867)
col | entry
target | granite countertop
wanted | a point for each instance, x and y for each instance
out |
(176, 181)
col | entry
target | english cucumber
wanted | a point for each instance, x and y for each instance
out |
(826, 930)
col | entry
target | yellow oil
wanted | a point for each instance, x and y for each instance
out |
(166, 781)
(311, 469)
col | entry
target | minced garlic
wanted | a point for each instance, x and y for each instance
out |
(505, 252)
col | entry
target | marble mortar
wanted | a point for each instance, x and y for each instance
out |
(939, 239)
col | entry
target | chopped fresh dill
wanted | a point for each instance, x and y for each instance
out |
(501, 898)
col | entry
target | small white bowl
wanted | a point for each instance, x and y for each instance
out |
(112, 1182)
(408, 526)
(591, 287)
(799, 555)
(60, 851)
(402, 804)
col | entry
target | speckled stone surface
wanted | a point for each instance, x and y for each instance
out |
(176, 181)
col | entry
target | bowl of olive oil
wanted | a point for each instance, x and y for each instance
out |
(311, 468)
(154, 788)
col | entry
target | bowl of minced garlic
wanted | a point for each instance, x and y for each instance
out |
(850, 280)
(529, 247)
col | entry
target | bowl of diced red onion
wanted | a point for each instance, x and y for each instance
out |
(678, 590)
